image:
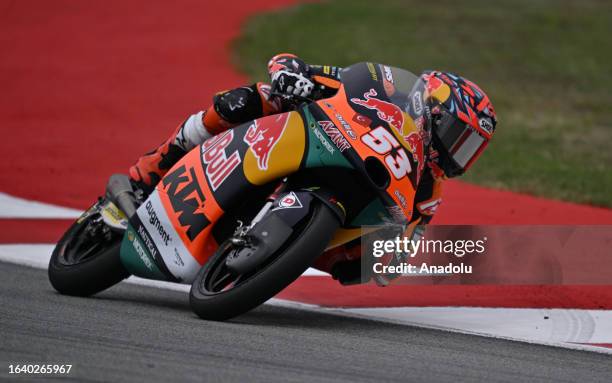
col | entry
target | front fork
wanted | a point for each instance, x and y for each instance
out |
(241, 231)
(274, 225)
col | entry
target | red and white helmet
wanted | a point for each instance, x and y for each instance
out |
(462, 120)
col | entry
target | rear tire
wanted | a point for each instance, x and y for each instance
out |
(286, 267)
(71, 275)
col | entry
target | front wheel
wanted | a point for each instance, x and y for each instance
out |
(219, 294)
(86, 260)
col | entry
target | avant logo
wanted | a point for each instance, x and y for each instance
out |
(335, 135)
(187, 200)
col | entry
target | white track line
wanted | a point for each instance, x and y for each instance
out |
(15, 207)
(525, 325)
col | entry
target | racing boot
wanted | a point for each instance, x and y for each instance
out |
(229, 109)
(151, 167)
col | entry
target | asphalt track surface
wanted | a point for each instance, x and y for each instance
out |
(133, 333)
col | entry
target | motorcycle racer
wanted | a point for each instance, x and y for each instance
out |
(459, 126)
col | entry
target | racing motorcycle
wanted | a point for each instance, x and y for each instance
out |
(247, 212)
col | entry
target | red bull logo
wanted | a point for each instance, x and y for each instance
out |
(263, 134)
(415, 144)
(386, 111)
(432, 83)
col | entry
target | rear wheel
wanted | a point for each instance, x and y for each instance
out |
(219, 294)
(86, 260)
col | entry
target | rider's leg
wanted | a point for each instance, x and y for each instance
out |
(229, 109)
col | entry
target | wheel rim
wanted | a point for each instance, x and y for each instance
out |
(219, 279)
(89, 239)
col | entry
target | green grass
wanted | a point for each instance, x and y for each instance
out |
(547, 66)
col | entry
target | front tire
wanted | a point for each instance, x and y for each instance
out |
(253, 290)
(83, 263)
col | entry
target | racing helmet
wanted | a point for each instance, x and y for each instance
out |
(462, 120)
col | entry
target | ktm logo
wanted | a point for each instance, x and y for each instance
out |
(187, 199)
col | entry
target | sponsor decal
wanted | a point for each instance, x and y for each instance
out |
(486, 125)
(417, 103)
(218, 165)
(328, 71)
(263, 135)
(260, 165)
(346, 127)
(147, 241)
(289, 201)
(178, 260)
(393, 115)
(238, 103)
(430, 207)
(334, 134)
(388, 74)
(420, 122)
(322, 139)
(386, 111)
(384, 143)
(142, 254)
(114, 213)
(113, 216)
(436, 88)
(187, 200)
(362, 120)
(416, 146)
(372, 71)
(401, 198)
(156, 223)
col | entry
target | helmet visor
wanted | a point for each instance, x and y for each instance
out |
(460, 143)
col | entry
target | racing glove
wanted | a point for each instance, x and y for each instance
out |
(289, 83)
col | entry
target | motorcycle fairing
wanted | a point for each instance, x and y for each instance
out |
(361, 105)
(210, 180)
(152, 228)
(177, 222)
(139, 258)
